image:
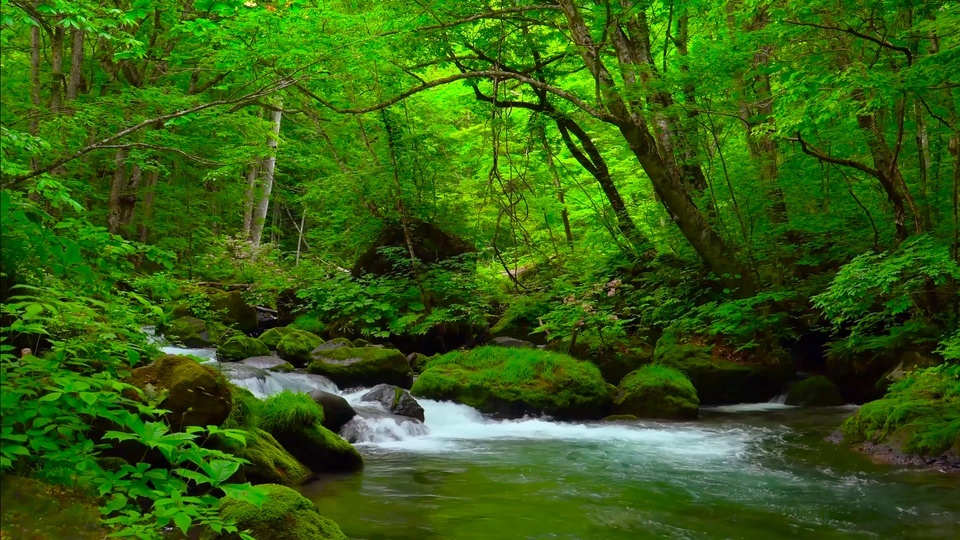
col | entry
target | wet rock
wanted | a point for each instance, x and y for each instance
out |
(361, 366)
(396, 400)
(512, 342)
(336, 410)
(269, 363)
(816, 391)
(196, 395)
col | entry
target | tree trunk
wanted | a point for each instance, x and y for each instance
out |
(149, 196)
(269, 168)
(564, 214)
(923, 162)
(123, 193)
(76, 65)
(35, 79)
(248, 198)
(56, 65)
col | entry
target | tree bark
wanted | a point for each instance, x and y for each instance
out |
(252, 173)
(56, 65)
(269, 168)
(149, 196)
(123, 193)
(76, 65)
(564, 214)
(35, 80)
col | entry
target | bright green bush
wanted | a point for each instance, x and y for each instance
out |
(289, 411)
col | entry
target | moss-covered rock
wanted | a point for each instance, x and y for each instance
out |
(270, 463)
(816, 391)
(295, 420)
(190, 332)
(515, 382)
(418, 362)
(335, 343)
(286, 515)
(195, 395)
(240, 347)
(269, 363)
(723, 382)
(30, 509)
(233, 310)
(295, 347)
(656, 391)
(271, 338)
(361, 366)
(920, 415)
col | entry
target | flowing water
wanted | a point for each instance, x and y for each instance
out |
(744, 471)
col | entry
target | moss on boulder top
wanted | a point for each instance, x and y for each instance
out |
(816, 391)
(920, 414)
(515, 382)
(719, 381)
(271, 338)
(195, 395)
(269, 462)
(295, 421)
(295, 347)
(361, 366)
(285, 515)
(656, 391)
(241, 347)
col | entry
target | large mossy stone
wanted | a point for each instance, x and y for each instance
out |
(295, 347)
(295, 420)
(395, 399)
(723, 382)
(656, 391)
(816, 391)
(241, 347)
(512, 383)
(919, 415)
(271, 338)
(269, 462)
(233, 310)
(269, 363)
(31, 509)
(285, 515)
(190, 332)
(361, 366)
(195, 395)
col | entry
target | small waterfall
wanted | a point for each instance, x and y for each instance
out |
(374, 424)
(779, 399)
(263, 383)
(168, 348)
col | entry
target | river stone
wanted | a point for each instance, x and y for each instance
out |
(269, 363)
(361, 366)
(396, 400)
(816, 391)
(189, 331)
(295, 347)
(335, 343)
(512, 342)
(196, 395)
(240, 347)
(284, 515)
(656, 391)
(336, 410)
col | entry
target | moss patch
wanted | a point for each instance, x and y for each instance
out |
(241, 347)
(309, 323)
(656, 391)
(513, 382)
(817, 391)
(195, 395)
(269, 463)
(286, 515)
(361, 366)
(271, 338)
(289, 411)
(33, 510)
(295, 346)
(920, 414)
(190, 332)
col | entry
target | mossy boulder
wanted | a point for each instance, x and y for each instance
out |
(190, 332)
(285, 515)
(295, 420)
(919, 415)
(240, 347)
(656, 391)
(396, 400)
(195, 395)
(336, 410)
(418, 362)
(335, 343)
(233, 310)
(361, 366)
(269, 462)
(720, 381)
(816, 391)
(269, 363)
(271, 338)
(512, 383)
(31, 509)
(295, 347)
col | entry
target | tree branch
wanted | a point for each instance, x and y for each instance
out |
(850, 30)
(810, 150)
(159, 149)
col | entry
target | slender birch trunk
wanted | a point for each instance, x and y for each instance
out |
(269, 168)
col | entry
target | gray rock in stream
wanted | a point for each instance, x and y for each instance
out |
(336, 410)
(373, 424)
(396, 400)
(270, 363)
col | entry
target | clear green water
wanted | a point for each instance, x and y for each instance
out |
(760, 474)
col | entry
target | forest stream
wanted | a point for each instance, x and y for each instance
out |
(760, 470)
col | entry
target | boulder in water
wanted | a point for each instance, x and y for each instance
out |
(270, 463)
(512, 342)
(269, 363)
(240, 347)
(285, 515)
(271, 338)
(295, 421)
(233, 310)
(335, 343)
(816, 391)
(656, 391)
(336, 410)
(396, 400)
(512, 383)
(295, 347)
(190, 332)
(196, 395)
(418, 361)
(361, 366)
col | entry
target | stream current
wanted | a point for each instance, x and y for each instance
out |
(745, 471)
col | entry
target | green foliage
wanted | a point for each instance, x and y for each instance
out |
(289, 411)
(881, 301)
(537, 380)
(920, 413)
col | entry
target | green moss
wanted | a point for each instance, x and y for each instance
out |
(195, 395)
(817, 391)
(269, 462)
(920, 413)
(271, 338)
(418, 362)
(361, 366)
(309, 323)
(289, 411)
(245, 411)
(295, 346)
(240, 347)
(189, 331)
(286, 515)
(33, 509)
(514, 382)
(656, 391)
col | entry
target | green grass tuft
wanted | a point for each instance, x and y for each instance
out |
(289, 412)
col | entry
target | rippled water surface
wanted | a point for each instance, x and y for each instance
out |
(739, 472)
